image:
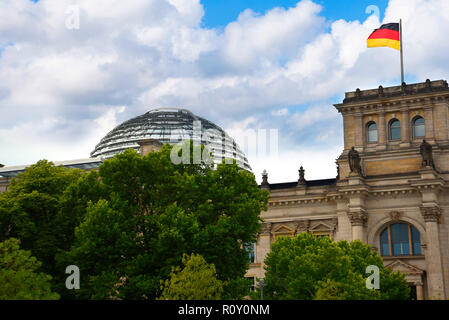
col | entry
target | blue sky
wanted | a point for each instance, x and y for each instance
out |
(218, 13)
(281, 65)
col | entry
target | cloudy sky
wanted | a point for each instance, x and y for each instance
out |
(243, 64)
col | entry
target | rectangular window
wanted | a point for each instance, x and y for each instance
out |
(249, 247)
(420, 131)
(372, 136)
(400, 240)
(395, 133)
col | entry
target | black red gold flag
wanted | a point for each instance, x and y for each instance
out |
(386, 36)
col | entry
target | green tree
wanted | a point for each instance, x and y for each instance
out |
(19, 278)
(306, 267)
(196, 281)
(152, 212)
(31, 211)
(237, 289)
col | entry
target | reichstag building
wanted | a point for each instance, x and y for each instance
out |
(391, 188)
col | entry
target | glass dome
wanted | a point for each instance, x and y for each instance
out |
(173, 126)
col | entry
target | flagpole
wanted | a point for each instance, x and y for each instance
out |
(402, 51)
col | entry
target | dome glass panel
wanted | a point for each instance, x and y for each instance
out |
(170, 126)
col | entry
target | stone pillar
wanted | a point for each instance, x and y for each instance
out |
(405, 129)
(358, 130)
(419, 290)
(428, 117)
(431, 217)
(263, 245)
(382, 132)
(358, 220)
(344, 225)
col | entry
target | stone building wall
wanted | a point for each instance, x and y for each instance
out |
(394, 185)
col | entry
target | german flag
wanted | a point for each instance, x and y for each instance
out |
(386, 36)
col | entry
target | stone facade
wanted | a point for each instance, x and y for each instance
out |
(393, 188)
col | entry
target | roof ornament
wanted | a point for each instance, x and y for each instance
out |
(302, 180)
(265, 184)
(404, 88)
(381, 91)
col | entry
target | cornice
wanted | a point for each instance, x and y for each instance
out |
(408, 94)
(388, 105)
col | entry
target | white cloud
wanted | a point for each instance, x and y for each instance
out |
(312, 116)
(318, 163)
(280, 112)
(65, 88)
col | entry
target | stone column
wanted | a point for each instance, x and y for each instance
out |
(358, 220)
(358, 130)
(382, 132)
(431, 217)
(405, 129)
(263, 246)
(419, 290)
(344, 225)
(428, 117)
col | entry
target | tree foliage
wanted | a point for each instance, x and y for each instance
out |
(196, 281)
(19, 279)
(31, 210)
(151, 212)
(307, 268)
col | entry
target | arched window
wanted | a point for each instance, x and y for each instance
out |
(400, 239)
(419, 128)
(249, 247)
(395, 129)
(371, 132)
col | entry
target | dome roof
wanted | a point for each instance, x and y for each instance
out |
(173, 126)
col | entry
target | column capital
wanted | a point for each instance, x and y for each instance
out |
(266, 228)
(431, 214)
(358, 218)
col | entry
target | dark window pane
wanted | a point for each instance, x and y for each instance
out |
(416, 241)
(395, 130)
(399, 239)
(419, 121)
(401, 249)
(372, 132)
(419, 128)
(385, 250)
(417, 248)
(250, 249)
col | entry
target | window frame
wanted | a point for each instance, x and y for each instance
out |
(367, 131)
(390, 124)
(414, 126)
(250, 248)
(390, 243)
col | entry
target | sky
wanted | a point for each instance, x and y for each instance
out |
(72, 70)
